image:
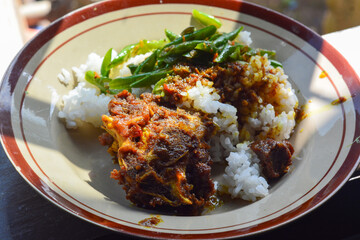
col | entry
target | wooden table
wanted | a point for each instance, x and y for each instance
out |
(25, 214)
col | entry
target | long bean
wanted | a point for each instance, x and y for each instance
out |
(105, 64)
(206, 19)
(171, 35)
(180, 48)
(150, 79)
(225, 53)
(224, 38)
(148, 64)
(201, 34)
(122, 56)
(126, 81)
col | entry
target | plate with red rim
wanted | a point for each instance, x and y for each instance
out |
(71, 169)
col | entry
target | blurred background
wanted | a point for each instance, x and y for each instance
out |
(323, 16)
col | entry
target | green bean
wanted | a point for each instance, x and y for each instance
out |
(146, 46)
(126, 81)
(106, 61)
(148, 64)
(180, 48)
(150, 79)
(201, 34)
(207, 46)
(215, 36)
(132, 67)
(122, 56)
(171, 35)
(206, 19)
(96, 80)
(224, 38)
(159, 87)
(275, 63)
(237, 54)
(188, 30)
(268, 52)
(225, 53)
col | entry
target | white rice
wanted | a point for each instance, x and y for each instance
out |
(242, 175)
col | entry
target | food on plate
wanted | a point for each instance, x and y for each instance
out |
(179, 107)
(162, 152)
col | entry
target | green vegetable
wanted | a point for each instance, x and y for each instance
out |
(275, 63)
(170, 35)
(96, 80)
(148, 64)
(150, 79)
(122, 56)
(104, 66)
(224, 38)
(159, 87)
(268, 52)
(188, 30)
(145, 46)
(201, 34)
(123, 82)
(203, 46)
(180, 48)
(132, 67)
(206, 19)
(207, 46)
(225, 53)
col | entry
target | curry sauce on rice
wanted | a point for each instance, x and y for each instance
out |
(188, 104)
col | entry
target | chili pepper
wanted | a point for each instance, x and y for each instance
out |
(206, 19)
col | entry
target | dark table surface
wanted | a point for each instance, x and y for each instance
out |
(25, 214)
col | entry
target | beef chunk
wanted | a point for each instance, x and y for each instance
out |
(275, 156)
(163, 153)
